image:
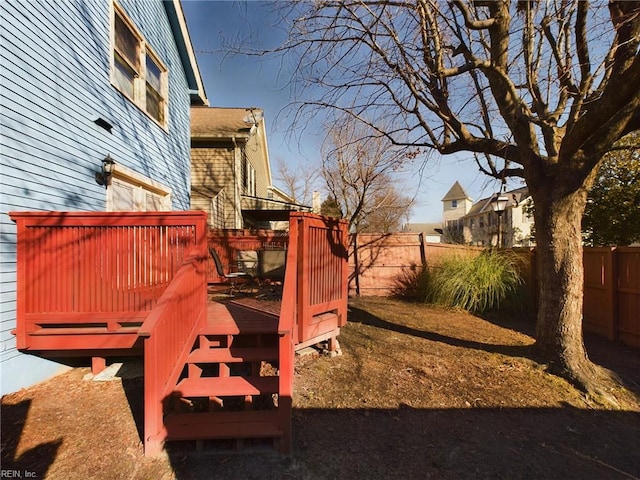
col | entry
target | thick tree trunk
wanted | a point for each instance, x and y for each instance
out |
(559, 339)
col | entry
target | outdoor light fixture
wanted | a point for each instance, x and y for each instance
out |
(104, 177)
(499, 204)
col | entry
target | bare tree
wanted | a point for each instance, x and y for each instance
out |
(537, 90)
(299, 184)
(358, 166)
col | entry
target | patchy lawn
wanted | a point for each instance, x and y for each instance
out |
(418, 393)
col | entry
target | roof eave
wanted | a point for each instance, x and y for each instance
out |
(222, 136)
(180, 31)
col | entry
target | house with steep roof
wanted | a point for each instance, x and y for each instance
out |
(231, 172)
(455, 205)
(95, 117)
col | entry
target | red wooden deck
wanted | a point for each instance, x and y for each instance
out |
(242, 315)
(102, 284)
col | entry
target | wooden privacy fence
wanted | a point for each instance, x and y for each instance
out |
(611, 276)
(85, 275)
(376, 261)
(611, 299)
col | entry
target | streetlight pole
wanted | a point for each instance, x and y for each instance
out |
(499, 204)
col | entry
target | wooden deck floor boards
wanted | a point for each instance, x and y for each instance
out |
(231, 317)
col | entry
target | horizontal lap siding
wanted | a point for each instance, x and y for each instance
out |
(211, 168)
(54, 83)
(257, 156)
(211, 171)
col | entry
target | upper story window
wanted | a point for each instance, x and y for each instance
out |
(248, 176)
(454, 203)
(136, 71)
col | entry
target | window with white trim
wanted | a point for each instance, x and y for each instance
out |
(136, 71)
(131, 192)
(216, 218)
(248, 176)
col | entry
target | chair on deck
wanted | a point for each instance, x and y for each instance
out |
(271, 267)
(231, 276)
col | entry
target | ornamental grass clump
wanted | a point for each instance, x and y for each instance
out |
(478, 284)
(412, 283)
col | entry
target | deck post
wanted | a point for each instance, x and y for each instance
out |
(152, 404)
(285, 391)
(98, 364)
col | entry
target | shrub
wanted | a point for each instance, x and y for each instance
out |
(412, 283)
(486, 282)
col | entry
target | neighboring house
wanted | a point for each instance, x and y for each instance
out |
(455, 205)
(231, 172)
(480, 225)
(432, 231)
(81, 82)
(476, 223)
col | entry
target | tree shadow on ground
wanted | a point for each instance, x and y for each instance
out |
(407, 443)
(617, 357)
(357, 315)
(34, 462)
(622, 360)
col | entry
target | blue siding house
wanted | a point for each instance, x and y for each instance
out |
(82, 82)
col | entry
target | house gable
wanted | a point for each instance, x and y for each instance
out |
(230, 155)
(456, 203)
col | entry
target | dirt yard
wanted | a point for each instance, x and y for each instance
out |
(418, 393)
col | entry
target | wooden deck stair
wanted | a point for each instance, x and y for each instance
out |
(230, 384)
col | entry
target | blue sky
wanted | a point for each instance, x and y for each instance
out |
(240, 81)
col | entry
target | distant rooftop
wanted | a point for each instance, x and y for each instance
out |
(217, 122)
(456, 192)
(427, 228)
(515, 197)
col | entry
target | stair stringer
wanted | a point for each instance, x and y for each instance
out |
(155, 432)
(237, 425)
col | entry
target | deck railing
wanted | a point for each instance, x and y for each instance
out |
(230, 243)
(99, 272)
(168, 334)
(322, 274)
(316, 272)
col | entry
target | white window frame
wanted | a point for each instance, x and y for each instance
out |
(217, 206)
(141, 79)
(141, 187)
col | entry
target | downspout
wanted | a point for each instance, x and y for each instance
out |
(236, 203)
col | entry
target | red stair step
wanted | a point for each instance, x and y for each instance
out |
(226, 386)
(221, 425)
(233, 355)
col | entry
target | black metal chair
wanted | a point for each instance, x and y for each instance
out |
(231, 276)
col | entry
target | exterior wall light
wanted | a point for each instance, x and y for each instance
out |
(104, 176)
